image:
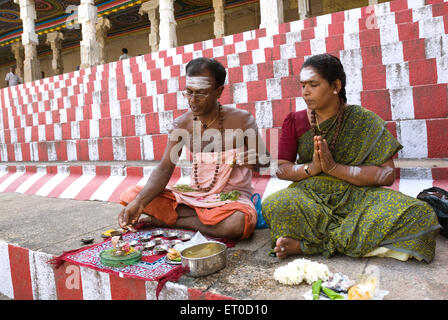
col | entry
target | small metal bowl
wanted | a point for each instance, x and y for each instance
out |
(204, 259)
(149, 245)
(157, 240)
(171, 234)
(185, 237)
(174, 242)
(157, 233)
(160, 249)
(145, 238)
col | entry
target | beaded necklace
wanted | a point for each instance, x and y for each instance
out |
(338, 125)
(195, 162)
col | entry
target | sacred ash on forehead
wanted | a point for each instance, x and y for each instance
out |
(306, 74)
(198, 83)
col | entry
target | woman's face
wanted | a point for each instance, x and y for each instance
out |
(317, 92)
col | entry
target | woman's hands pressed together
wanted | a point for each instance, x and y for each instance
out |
(325, 157)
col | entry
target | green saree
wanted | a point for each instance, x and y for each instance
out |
(330, 216)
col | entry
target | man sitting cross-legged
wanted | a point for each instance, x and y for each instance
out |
(217, 201)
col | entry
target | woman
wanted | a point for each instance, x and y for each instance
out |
(336, 203)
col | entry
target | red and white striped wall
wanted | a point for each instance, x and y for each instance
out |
(122, 110)
(106, 183)
(26, 275)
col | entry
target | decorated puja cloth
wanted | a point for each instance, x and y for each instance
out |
(329, 215)
(230, 193)
(151, 267)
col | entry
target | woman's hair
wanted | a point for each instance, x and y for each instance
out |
(330, 68)
(124, 50)
(195, 67)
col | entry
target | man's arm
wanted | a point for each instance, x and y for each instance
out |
(259, 157)
(155, 185)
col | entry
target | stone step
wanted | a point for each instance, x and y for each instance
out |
(424, 138)
(431, 26)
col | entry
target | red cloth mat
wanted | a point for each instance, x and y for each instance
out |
(152, 267)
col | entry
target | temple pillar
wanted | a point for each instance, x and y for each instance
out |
(219, 24)
(150, 8)
(304, 9)
(271, 12)
(54, 39)
(87, 16)
(167, 27)
(102, 26)
(19, 56)
(31, 65)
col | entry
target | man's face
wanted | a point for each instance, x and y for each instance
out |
(201, 93)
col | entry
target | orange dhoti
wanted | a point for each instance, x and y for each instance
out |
(163, 208)
(208, 206)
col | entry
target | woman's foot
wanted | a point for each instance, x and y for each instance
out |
(287, 247)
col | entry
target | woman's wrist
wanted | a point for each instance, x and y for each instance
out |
(332, 168)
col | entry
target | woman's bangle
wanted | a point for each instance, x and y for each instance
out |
(334, 167)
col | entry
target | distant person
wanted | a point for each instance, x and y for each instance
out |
(11, 78)
(125, 54)
(43, 75)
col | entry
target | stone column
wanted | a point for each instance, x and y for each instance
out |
(150, 8)
(19, 55)
(87, 16)
(54, 39)
(102, 26)
(167, 27)
(271, 12)
(304, 9)
(31, 65)
(219, 24)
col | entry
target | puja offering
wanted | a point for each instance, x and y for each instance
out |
(133, 243)
(185, 237)
(173, 256)
(204, 259)
(149, 245)
(160, 249)
(157, 233)
(174, 242)
(121, 254)
(111, 233)
(157, 240)
(171, 234)
(145, 238)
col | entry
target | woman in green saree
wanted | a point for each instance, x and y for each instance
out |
(336, 203)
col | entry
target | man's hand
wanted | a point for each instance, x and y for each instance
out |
(128, 217)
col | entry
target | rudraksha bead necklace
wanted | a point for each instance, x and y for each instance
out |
(195, 162)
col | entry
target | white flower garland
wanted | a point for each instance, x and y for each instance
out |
(301, 269)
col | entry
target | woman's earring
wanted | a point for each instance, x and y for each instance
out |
(335, 92)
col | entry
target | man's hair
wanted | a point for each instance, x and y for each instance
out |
(124, 50)
(196, 66)
(330, 68)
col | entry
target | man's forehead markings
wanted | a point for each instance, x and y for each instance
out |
(199, 82)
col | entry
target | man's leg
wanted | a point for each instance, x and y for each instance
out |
(231, 227)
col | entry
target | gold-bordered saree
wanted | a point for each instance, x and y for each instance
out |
(329, 215)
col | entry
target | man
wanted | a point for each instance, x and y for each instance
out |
(11, 78)
(124, 55)
(217, 201)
